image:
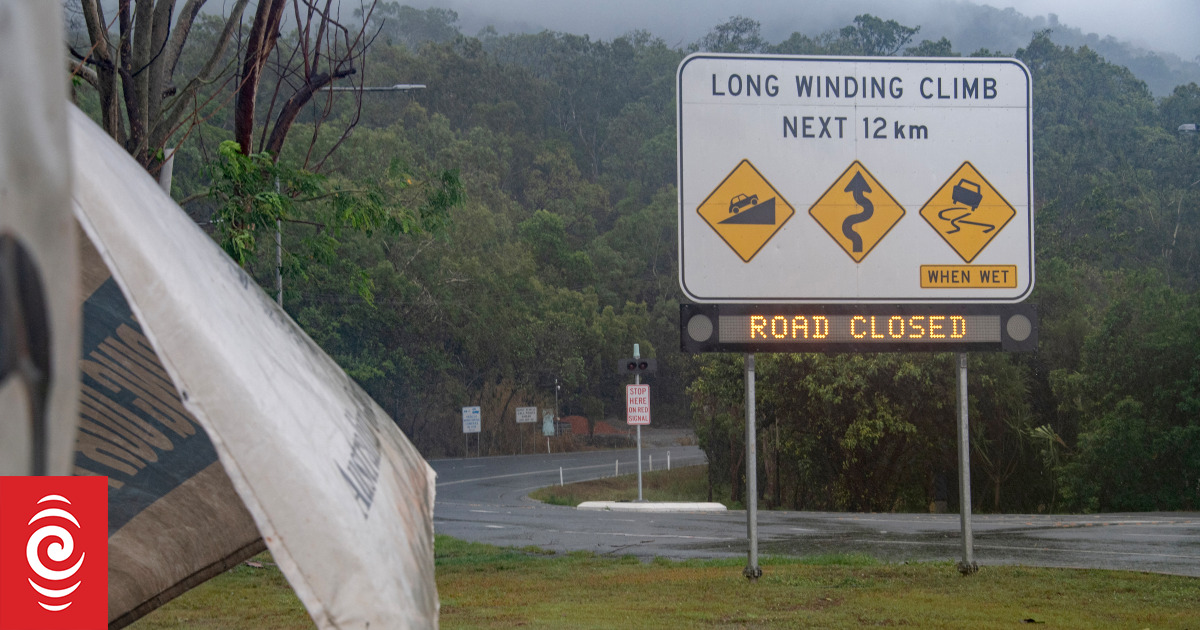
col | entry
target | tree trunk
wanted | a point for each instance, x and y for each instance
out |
(263, 35)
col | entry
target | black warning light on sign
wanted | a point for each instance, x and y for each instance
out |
(632, 367)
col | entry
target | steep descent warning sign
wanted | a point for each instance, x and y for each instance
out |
(967, 212)
(857, 212)
(745, 210)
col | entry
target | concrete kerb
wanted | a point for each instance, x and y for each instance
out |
(647, 506)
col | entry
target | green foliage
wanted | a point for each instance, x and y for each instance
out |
(738, 35)
(1136, 392)
(556, 154)
(248, 201)
(404, 25)
(867, 36)
(254, 192)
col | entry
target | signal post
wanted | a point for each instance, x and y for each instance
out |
(637, 400)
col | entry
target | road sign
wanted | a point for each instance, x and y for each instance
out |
(968, 212)
(745, 210)
(857, 212)
(526, 414)
(548, 423)
(858, 327)
(916, 173)
(472, 422)
(637, 404)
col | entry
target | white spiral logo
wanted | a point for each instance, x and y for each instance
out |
(59, 552)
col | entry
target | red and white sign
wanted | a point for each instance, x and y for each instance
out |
(637, 404)
(54, 550)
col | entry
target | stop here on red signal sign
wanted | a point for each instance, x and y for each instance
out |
(637, 404)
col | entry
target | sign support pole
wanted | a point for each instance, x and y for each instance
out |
(752, 570)
(637, 380)
(967, 566)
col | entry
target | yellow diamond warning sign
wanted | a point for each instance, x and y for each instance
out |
(857, 211)
(745, 210)
(967, 212)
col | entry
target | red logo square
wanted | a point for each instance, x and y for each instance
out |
(53, 553)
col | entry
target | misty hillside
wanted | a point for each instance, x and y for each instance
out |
(968, 27)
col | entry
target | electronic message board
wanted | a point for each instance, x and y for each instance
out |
(857, 328)
(854, 180)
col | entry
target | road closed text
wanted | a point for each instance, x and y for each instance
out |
(791, 328)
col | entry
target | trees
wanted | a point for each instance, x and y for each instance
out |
(404, 25)
(561, 250)
(134, 70)
(1136, 391)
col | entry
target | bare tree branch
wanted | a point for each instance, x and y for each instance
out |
(180, 105)
(183, 28)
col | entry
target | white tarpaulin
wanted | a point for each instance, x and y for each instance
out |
(39, 320)
(174, 519)
(341, 498)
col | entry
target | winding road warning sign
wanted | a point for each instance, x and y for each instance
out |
(857, 211)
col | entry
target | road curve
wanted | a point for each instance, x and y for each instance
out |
(486, 500)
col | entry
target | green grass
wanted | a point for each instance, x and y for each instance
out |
(482, 586)
(242, 597)
(688, 484)
(503, 588)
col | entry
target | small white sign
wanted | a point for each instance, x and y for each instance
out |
(471, 420)
(548, 423)
(526, 414)
(637, 404)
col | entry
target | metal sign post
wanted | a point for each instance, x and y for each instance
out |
(637, 380)
(752, 570)
(967, 566)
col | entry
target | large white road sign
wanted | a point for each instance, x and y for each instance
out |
(843, 179)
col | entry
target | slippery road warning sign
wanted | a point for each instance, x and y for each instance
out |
(857, 211)
(745, 210)
(944, 213)
(968, 212)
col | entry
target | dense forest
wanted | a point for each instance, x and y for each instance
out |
(504, 235)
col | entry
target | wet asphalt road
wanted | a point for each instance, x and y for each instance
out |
(485, 500)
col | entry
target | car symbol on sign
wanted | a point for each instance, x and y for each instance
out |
(741, 202)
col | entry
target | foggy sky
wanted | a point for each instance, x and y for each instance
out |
(1157, 25)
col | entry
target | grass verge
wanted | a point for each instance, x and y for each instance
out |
(482, 586)
(689, 484)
